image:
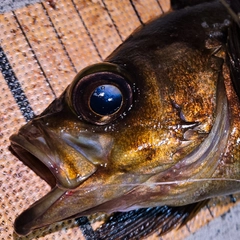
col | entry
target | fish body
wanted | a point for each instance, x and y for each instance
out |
(156, 123)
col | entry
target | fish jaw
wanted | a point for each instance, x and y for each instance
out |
(66, 164)
(73, 194)
(29, 219)
(60, 204)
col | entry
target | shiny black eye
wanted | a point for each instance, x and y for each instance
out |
(106, 99)
(101, 97)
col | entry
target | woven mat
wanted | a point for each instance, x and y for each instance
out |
(42, 47)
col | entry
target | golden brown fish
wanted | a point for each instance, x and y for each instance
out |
(157, 123)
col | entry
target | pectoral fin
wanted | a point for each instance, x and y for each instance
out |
(143, 222)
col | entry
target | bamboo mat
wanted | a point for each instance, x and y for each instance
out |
(42, 47)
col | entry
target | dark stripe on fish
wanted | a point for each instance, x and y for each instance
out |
(15, 87)
(33, 52)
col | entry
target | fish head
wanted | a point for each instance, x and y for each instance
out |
(148, 114)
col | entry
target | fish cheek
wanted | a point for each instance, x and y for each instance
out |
(143, 151)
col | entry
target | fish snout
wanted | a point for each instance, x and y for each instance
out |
(70, 159)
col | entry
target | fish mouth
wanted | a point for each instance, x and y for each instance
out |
(33, 163)
(62, 160)
(51, 156)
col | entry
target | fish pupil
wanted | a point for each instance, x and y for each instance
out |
(106, 99)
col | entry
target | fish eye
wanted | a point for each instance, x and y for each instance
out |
(101, 97)
(106, 99)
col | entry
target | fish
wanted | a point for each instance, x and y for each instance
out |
(153, 130)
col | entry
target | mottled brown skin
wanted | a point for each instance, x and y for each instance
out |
(174, 66)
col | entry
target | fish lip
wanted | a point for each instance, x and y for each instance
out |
(29, 219)
(30, 145)
(38, 143)
(32, 162)
(34, 140)
(24, 150)
(27, 154)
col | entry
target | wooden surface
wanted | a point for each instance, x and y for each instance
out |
(44, 45)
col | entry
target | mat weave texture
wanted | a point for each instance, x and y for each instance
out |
(42, 47)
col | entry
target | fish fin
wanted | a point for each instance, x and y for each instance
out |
(142, 222)
(178, 4)
(233, 44)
